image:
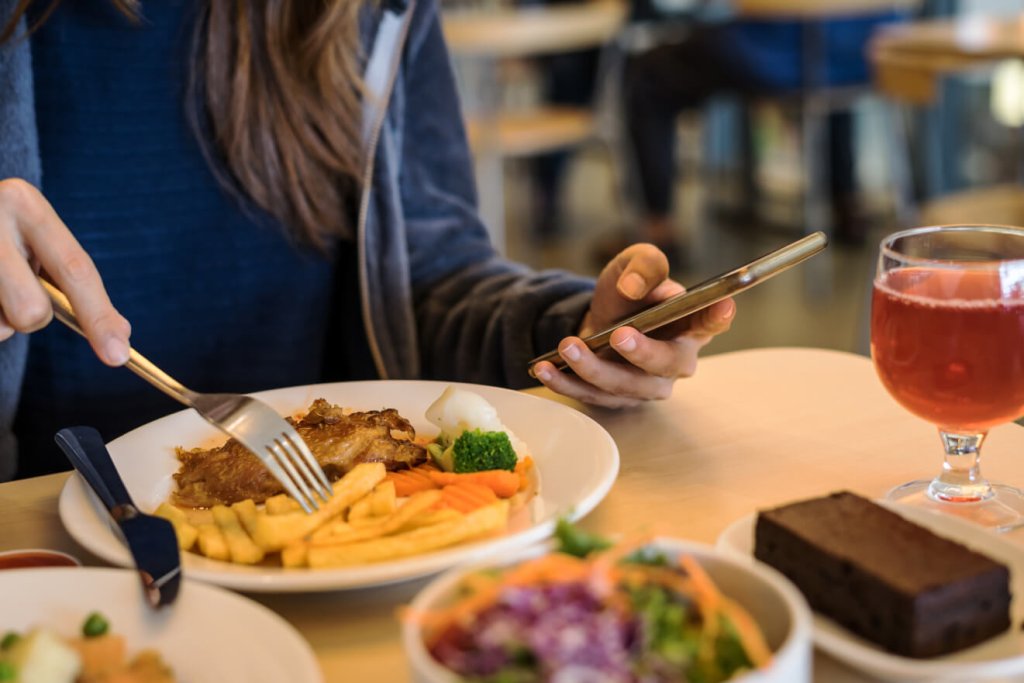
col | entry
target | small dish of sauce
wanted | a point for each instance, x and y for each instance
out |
(36, 557)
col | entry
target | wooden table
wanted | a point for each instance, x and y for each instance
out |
(910, 58)
(751, 429)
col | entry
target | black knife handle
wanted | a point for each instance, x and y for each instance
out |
(85, 449)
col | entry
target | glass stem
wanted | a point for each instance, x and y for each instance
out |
(961, 480)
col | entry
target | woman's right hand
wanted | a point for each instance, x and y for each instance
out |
(33, 237)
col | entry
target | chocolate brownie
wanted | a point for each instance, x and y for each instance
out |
(887, 579)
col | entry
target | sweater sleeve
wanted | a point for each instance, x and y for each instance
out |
(480, 318)
(19, 157)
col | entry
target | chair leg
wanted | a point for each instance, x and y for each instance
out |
(816, 166)
(901, 164)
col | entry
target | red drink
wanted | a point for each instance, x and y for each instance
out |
(949, 345)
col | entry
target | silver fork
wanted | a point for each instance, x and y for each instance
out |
(250, 422)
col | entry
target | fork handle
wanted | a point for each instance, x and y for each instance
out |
(137, 363)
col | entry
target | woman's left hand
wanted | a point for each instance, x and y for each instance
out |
(641, 368)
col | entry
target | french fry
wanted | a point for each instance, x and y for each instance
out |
(361, 509)
(337, 527)
(212, 543)
(185, 532)
(281, 504)
(247, 513)
(482, 521)
(240, 546)
(384, 501)
(380, 502)
(417, 504)
(197, 517)
(294, 555)
(430, 518)
(274, 532)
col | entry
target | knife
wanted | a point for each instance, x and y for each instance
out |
(151, 540)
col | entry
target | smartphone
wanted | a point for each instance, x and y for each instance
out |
(706, 293)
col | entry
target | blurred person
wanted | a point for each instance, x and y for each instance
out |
(214, 170)
(748, 58)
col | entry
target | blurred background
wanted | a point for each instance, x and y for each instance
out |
(721, 129)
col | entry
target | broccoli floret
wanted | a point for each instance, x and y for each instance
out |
(476, 451)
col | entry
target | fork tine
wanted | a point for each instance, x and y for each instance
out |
(278, 464)
(302, 467)
(314, 473)
(284, 457)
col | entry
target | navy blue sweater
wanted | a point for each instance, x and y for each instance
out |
(178, 255)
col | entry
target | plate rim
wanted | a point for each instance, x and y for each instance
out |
(870, 658)
(75, 495)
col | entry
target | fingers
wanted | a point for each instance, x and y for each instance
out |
(641, 268)
(29, 227)
(601, 381)
(713, 320)
(651, 365)
(25, 306)
(574, 387)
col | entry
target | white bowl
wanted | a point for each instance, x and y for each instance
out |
(774, 603)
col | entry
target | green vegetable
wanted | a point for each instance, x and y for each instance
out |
(95, 625)
(573, 541)
(512, 674)
(669, 636)
(10, 638)
(7, 671)
(476, 451)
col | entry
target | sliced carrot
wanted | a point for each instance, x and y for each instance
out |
(523, 468)
(408, 482)
(467, 496)
(505, 484)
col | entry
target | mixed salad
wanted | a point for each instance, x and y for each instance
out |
(594, 612)
(97, 655)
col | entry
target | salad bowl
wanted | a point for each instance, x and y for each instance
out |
(773, 603)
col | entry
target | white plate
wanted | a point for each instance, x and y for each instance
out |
(207, 636)
(995, 658)
(576, 460)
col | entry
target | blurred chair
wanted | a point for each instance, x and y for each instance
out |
(817, 99)
(795, 67)
(487, 38)
(910, 63)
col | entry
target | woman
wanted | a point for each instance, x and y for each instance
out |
(209, 160)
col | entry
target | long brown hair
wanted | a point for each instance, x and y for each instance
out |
(274, 99)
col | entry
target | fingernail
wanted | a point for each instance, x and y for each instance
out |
(571, 352)
(627, 344)
(543, 374)
(633, 286)
(116, 351)
(728, 315)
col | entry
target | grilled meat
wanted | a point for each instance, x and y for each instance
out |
(230, 473)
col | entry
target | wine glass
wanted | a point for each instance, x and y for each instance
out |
(947, 339)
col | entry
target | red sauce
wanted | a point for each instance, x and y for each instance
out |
(34, 558)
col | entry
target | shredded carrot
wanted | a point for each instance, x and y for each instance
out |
(748, 632)
(505, 484)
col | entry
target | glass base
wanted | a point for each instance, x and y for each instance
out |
(1002, 511)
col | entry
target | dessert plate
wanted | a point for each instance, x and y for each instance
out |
(576, 463)
(998, 657)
